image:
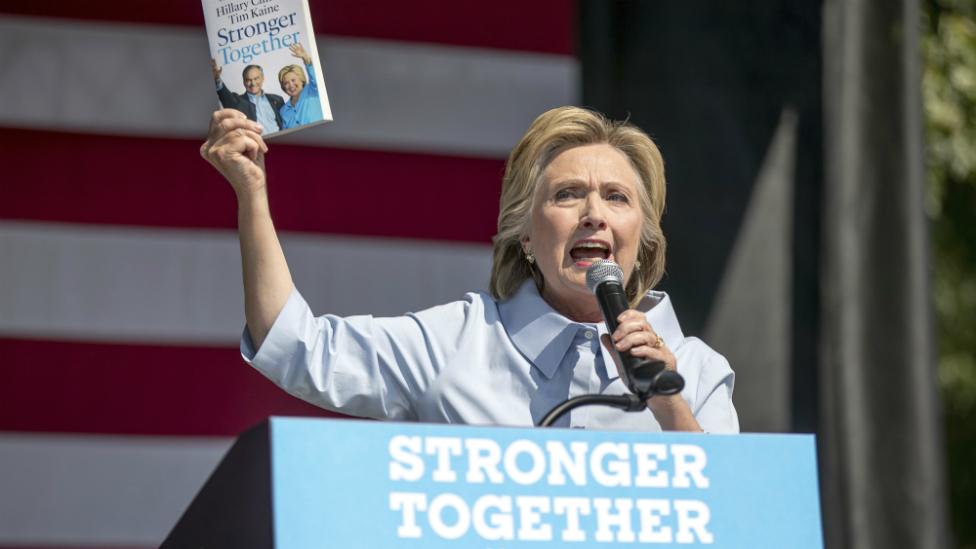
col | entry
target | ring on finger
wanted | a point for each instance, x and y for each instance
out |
(658, 342)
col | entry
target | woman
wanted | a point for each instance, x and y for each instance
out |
(577, 188)
(303, 106)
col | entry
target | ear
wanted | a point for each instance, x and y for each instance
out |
(526, 245)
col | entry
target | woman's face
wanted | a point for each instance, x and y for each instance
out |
(292, 84)
(586, 208)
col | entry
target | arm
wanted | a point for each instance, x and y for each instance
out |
(673, 413)
(313, 87)
(358, 365)
(216, 70)
(235, 148)
(297, 50)
(713, 402)
(225, 96)
(636, 336)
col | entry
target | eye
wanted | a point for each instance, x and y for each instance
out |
(618, 197)
(564, 194)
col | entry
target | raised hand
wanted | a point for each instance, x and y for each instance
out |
(216, 69)
(298, 51)
(234, 146)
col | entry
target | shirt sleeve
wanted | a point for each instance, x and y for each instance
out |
(359, 365)
(312, 84)
(713, 402)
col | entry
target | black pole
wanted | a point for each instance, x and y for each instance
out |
(627, 403)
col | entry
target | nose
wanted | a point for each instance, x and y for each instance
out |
(593, 215)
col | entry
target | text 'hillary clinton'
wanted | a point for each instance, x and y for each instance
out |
(490, 499)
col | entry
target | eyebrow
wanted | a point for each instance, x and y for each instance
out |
(579, 182)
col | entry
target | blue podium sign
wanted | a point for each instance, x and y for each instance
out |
(343, 483)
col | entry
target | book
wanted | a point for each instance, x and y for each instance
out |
(265, 63)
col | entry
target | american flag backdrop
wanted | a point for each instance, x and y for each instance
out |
(120, 295)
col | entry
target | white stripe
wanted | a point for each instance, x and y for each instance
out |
(155, 81)
(90, 490)
(169, 285)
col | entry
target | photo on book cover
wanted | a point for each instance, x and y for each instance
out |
(264, 62)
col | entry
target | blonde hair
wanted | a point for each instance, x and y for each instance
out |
(550, 134)
(291, 68)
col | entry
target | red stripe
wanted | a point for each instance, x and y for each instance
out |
(163, 183)
(537, 25)
(57, 386)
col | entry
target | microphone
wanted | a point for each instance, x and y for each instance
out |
(644, 377)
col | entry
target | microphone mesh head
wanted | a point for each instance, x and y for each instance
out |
(602, 271)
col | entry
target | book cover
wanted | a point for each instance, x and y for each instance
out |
(265, 63)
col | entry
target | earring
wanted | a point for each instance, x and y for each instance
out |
(530, 257)
(637, 264)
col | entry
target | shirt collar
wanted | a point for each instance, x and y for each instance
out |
(543, 335)
(254, 98)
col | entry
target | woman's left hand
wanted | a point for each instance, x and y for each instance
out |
(636, 336)
(298, 51)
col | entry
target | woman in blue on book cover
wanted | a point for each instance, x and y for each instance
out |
(303, 106)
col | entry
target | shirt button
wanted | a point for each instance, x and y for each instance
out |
(588, 334)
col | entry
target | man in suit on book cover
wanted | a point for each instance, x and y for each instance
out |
(261, 107)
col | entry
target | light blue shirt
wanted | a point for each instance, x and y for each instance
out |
(307, 109)
(265, 112)
(478, 361)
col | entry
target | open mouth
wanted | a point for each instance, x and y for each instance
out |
(585, 252)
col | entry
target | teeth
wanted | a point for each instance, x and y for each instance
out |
(591, 245)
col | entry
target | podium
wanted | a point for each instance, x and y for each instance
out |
(294, 483)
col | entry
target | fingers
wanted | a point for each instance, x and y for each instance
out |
(247, 129)
(252, 144)
(653, 353)
(219, 117)
(299, 51)
(231, 134)
(635, 336)
(225, 121)
(228, 119)
(260, 140)
(237, 141)
(632, 329)
(637, 339)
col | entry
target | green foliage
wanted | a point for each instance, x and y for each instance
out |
(949, 91)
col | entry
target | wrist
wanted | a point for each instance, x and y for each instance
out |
(252, 201)
(665, 403)
(673, 413)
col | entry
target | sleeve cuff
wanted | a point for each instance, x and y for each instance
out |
(282, 334)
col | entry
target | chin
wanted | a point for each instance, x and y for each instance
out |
(577, 280)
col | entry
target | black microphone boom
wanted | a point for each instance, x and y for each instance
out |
(645, 378)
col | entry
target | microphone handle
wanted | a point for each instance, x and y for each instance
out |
(643, 377)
